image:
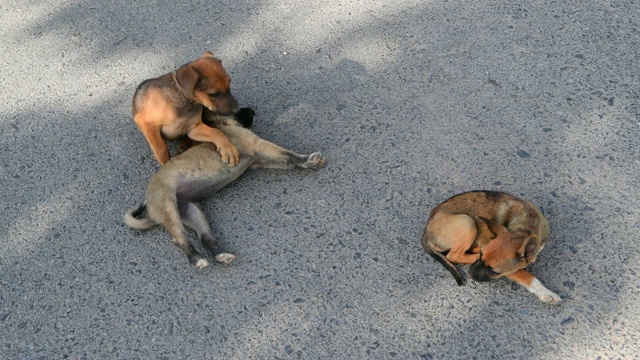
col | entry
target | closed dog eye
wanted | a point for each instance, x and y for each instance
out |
(215, 94)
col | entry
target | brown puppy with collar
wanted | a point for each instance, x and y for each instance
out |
(200, 172)
(172, 105)
(499, 234)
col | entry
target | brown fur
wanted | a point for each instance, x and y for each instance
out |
(171, 106)
(200, 172)
(499, 234)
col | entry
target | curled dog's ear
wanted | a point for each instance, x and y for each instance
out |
(529, 250)
(187, 78)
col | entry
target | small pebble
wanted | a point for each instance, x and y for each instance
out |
(523, 154)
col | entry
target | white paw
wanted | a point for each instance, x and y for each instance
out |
(315, 161)
(225, 258)
(202, 263)
(545, 295)
(549, 297)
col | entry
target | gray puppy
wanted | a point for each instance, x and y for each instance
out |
(200, 172)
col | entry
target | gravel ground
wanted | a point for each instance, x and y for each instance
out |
(410, 101)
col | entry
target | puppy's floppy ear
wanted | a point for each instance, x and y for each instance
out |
(529, 250)
(187, 79)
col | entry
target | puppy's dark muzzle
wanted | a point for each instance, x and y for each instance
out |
(226, 105)
(479, 272)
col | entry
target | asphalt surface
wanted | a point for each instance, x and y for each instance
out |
(410, 101)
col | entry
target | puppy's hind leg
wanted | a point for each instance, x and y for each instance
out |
(273, 156)
(193, 217)
(172, 223)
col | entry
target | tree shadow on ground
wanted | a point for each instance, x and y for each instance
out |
(410, 103)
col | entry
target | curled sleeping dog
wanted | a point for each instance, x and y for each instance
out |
(497, 233)
(200, 172)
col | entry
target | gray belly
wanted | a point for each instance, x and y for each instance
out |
(196, 188)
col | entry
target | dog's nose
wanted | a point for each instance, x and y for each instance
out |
(479, 272)
(233, 104)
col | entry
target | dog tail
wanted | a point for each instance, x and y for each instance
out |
(443, 260)
(133, 220)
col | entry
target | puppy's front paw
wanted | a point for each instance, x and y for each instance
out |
(225, 258)
(229, 154)
(314, 161)
(545, 295)
(549, 297)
